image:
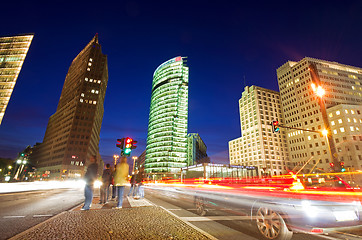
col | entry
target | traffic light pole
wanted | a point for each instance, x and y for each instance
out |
(307, 130)
(336, 166)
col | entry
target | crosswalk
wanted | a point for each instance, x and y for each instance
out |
(128, 202)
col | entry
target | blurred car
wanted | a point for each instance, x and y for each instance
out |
(277, 207)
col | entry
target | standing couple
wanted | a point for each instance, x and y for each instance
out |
(137, 189)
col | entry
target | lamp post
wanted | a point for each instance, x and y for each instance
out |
(319, 91)
(115, 159)
(134, 161)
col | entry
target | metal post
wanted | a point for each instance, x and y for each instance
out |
(330, 141)
(134, 161)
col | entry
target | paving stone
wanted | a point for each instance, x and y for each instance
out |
(149, 222)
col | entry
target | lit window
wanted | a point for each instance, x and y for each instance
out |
(76, 163)
(71, 162)
(332, 123)
(82, 94)
(331, 115)
(339, 120)
(81, 100)
(342, 129)
(92, 91)
(352, 111)
(348, 119)
(309, 138)
(346, 111)
(81, 164)
(91, 80)
(90, 59)
(90, 102)
(338, 112)
(94, 102)
(97, 92)
(99, 81)
(355, 120)
(352, 128)
(335, 131)
(86, 79)
(89, 64)
(88, 69)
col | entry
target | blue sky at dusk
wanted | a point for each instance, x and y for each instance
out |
(225, 42)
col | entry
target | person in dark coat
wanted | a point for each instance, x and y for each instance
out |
(89, 177)
(114, 192)
(140, 188)
(106, 182)
(133, 186)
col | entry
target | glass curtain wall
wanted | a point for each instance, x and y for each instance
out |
(166, 150)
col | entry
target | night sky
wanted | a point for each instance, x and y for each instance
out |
(229, 44)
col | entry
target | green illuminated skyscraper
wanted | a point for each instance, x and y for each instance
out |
(166, 150)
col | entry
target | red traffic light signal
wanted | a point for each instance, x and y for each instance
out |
(275, 126)
(129, 142)
(342, 166)
(128, 146)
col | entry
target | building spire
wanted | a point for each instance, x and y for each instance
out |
(95, 39)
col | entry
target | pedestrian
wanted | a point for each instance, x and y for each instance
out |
(106, 182)
(114, 192)
(121, 179)
(139, 182)
(90, 176)
(133, 185)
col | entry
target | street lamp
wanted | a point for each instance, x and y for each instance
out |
(325, 132)
(134, 160)
(319, 91)
(115, 159)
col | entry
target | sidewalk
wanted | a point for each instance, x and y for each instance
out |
(138, 219)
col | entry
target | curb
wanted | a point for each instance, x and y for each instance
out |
(40, 224)
(35, 227)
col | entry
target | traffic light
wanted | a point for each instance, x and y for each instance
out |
(120, 143)
(128, 146)
(275, 126)
(342, 167)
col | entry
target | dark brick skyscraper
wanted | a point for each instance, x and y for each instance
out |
(73, 131)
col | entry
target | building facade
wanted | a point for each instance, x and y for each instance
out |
(13, 51)
(214, 170)
(346, 127)
(196, 150)
(301, 108)
(73, 131)
(166, 150)
(259, 146)
(140, 163)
